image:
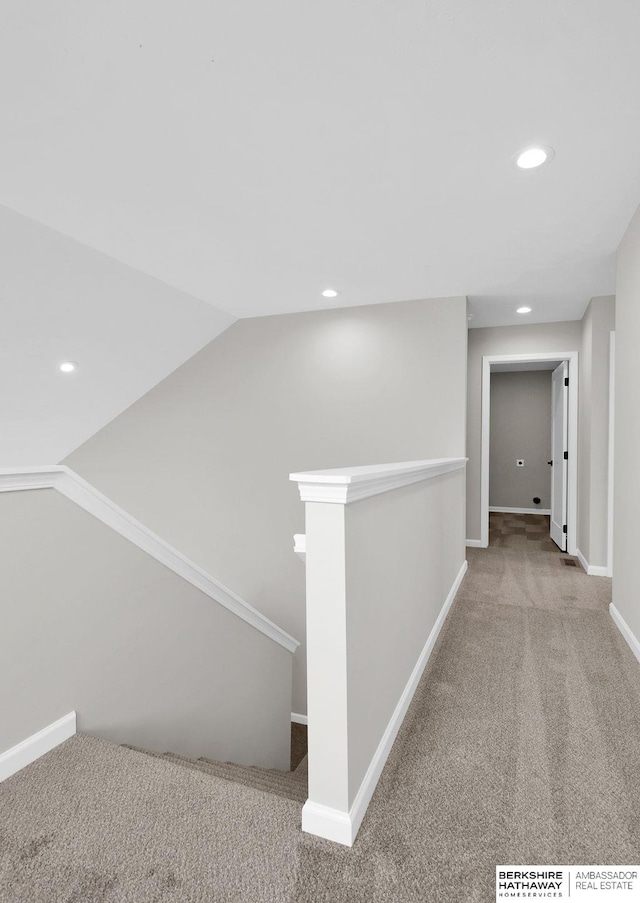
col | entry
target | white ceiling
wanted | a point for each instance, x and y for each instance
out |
(250, 154)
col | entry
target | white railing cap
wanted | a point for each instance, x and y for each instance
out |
(343, 485)
(69, 484)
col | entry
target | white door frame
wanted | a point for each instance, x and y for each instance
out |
(612, 397)
(559, 448)
(572, 488)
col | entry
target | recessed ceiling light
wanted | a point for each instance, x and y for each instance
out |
(533, 157)
(523, 310)
(330, 293)
(68, 366)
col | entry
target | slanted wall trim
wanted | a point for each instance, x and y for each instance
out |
(69, 484)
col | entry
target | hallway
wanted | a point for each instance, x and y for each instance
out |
(520, 747)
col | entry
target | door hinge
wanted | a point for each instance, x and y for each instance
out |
(566, 456)
(564, 528)
(566, 380)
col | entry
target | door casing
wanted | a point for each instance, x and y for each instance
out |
(572, 465)
(559, 436)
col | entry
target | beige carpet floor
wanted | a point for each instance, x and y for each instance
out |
(522, 745)
(298, 744)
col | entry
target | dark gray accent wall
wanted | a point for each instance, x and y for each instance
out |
(520, 429)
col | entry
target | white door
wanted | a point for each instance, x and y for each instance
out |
(559, 453)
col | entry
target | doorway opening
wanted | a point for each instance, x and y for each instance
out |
(563, 447)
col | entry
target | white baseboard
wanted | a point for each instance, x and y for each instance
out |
(299, 719)
(333, 824)
(342, 827)
(593, 570)
(36, 745)
(475, 544)
(497, 510)
(583, 561)
(625, 630)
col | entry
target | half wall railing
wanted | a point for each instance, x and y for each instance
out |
(385, 554)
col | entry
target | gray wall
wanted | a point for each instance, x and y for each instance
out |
(203, 459)
(593, 426)
(502, 340)
(93, 623)
(404, 552)
(520, 428)
(626, 596)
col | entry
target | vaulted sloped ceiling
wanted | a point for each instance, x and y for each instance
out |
(246, 155)
(61, 301)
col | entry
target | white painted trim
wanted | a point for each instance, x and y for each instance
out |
(323, 821)
(299, 719)
(475, 544)
(572, 358)
(300, 546)
(95, 503)
(593, 570)
(583, 561)
(498, 510)
(485, 436)
(344, 485)
(612, 408)
(342, 827)
(534, 357)
(26, 752)
(625, 630)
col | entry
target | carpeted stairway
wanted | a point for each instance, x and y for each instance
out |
(94, 822)
(291, 785)
(520, 746)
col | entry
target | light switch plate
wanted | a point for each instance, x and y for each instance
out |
(520, 462)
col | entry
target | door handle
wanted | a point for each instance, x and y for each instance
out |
(550, 462)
